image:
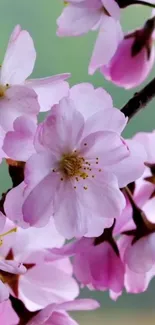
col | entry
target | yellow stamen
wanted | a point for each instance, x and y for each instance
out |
(3, 90)
(5, 234)
(8, 232)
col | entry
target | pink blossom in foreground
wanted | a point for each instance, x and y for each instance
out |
(7, 314)
(134, 58)
(79, 164)
(97, 109)
(44, 282)
(74, 170)
(96, 265)
(78, 17)
(57, 313)
(17, 97)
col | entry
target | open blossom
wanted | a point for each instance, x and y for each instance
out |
(133, 59)
(72, 174)
(44, 282)
(77, 164)
(78, 17)
(97, 109)
(57, 313)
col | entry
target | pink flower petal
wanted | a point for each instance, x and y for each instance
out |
(13, 205)
(37, 212)
(7, 314)
(19, 100)
(110, 29)
(77, 20)
(112, 7)
(20, 49)
(140, 256)
(45, 284)
(18, 144)
(64, 125)
(89, 100)
(12, 267)
(4, 292)
(116, 150)
(50, 90)
(110, 119)
(132, 167)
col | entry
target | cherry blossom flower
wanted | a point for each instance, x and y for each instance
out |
(44, 282)
(97, 109)
(73, 166)
(133, 59)
(57, 313)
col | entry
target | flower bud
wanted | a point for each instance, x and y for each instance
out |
(133, 59)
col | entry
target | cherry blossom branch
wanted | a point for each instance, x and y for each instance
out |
(23, 314)
(139, 100)
(126, 3)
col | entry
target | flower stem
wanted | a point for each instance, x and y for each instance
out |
(139, 100)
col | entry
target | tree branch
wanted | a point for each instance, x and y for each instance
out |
(126, 3)
(139, 100)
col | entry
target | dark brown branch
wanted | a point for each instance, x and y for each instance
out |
(23, 314)
(139, 100)
(126, 3)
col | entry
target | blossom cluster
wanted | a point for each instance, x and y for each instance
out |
(124, 59)
(74, 176)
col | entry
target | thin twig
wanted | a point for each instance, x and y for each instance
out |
(139, 100)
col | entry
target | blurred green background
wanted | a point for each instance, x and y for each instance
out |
(56, 55)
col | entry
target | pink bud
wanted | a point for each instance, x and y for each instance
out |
(133, 59)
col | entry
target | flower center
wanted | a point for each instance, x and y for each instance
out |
(71, 165)
(3, 90)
